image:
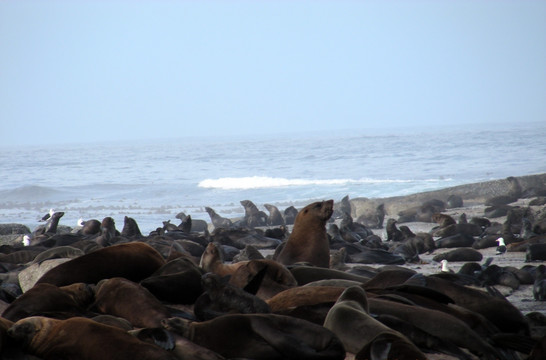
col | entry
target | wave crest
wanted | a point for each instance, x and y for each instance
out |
(262, 182)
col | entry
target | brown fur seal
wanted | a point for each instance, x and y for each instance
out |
(275, 217)
(350, 320)
(307, 274)
(50, 300)
(222, 298)
(81, 338)
(129, 300)
(130, 228)
(393, 233)
(461, 254)
(211, 261)
(268, 277)
(443, 325)
(290, 214)
(197, 225)
(90, 227)
(253, 216)
(308, 241)
(134, 261)
(178, 281)
(260, 336)
(263, 277)
(217, 220)
(512, 320)
(310, 303)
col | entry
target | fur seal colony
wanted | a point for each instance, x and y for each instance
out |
(298, 284)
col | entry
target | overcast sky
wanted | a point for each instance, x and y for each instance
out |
(107, 70)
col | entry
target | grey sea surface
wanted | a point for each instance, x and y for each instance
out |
(154, 180)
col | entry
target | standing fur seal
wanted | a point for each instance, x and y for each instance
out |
(253, 216)
(81, 338)
(217, 220)
(308, 241)
(275, 217)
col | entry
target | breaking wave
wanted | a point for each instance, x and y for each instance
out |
(263, 182)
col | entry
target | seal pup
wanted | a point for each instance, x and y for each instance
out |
(393, 233)
(260, 336)
(350, 320)
(81, 338)
(217, 220)
(308, 241)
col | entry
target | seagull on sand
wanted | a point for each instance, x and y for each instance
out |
(501, 249)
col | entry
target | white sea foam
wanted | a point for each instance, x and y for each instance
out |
(263, 182)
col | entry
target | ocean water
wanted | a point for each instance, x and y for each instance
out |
(154, 180)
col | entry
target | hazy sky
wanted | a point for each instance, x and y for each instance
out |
(106, 70)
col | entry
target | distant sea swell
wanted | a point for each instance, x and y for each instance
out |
(111, 179)
(262, 182)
